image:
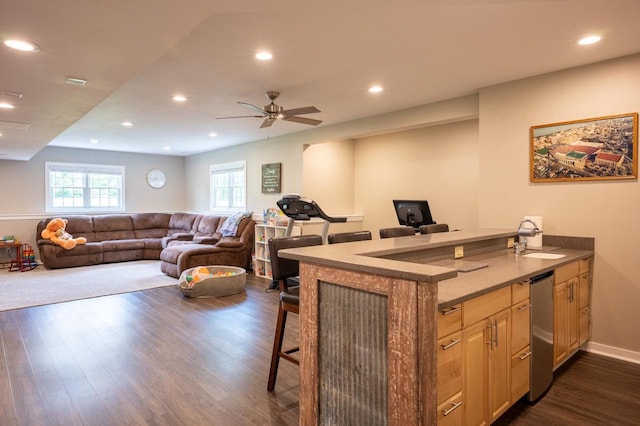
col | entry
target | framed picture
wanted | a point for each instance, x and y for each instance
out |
(583, 150)
(271, 178)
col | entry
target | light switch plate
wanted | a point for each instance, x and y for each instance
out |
(459, 252)
(510, 242)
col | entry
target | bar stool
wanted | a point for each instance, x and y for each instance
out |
(283, 269)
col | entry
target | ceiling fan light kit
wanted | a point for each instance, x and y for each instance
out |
(272, 112)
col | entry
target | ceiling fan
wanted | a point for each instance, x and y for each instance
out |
(272, 112)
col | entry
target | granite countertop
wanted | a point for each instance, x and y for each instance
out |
(503, 266)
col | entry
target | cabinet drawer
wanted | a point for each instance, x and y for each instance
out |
(520, 325)
(520, 368)
(565, 272)
(585, 265)
(449, 320)
(520, 291)
(450, 411)
(486, 305)
(449, 360)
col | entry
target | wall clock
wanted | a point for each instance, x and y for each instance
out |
(156, 178)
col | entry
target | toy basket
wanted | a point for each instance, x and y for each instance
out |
(221, 281)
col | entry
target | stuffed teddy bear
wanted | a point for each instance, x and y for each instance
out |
(55, 231)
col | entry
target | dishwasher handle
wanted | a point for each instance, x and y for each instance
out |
(541, 277)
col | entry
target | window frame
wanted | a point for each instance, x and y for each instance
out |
(228, 167)
(86, 169)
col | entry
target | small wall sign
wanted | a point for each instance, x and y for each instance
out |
(271, 178)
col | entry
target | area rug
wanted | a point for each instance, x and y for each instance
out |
(41, 286)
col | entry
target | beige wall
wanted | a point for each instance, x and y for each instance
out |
(607, 211)
(23, 190)
(438, 164)
(328, 176)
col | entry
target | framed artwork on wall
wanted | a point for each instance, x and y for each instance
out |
(271, 178)
(585, 150)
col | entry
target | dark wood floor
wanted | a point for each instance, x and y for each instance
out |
(156, 358)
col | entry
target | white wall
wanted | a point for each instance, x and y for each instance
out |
(607, 210)
(438, 164)
(23, 189)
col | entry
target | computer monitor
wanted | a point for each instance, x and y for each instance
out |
(413, 212)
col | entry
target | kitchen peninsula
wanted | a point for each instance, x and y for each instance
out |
(374, 313)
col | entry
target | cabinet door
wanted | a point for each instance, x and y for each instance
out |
(499, 379)
(475, 348)
(584, 294)
(520, 325)
(585, 324)
(560, 321)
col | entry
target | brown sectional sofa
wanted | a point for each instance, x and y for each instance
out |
(125, 237)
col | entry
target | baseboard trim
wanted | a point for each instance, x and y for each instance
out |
(613, 352)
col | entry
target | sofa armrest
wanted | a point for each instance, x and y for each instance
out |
(230, 244)
(206, 240)
(182, 236)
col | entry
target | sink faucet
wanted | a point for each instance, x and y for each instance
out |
(521, 246)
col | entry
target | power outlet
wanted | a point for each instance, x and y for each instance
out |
(459, 252)
(510, 242)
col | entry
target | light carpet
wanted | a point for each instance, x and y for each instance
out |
(42, 286)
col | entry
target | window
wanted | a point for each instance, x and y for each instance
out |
(228, 186)
(84, 187)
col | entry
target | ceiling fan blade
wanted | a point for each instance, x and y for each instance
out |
(268, 122)
(252, 107)
(303, 110)
(241, 116)
(302, 120)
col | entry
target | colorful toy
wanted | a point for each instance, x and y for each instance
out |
(201, 273)
(56, 232)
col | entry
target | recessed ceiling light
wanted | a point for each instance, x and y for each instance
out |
(127, 123)
(25, 46)
(0, 135)
(93, 141)
(6, 105)
(166, 148)
(375, 89)
(264, 56)
(179, 98)
(589, 40)
(76, 81)
(213, 134)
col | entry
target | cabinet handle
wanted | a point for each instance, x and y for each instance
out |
(523, 307)
(525, 356)
(523, 283)
(451, 310)
(490, 342)
(495, 322)
(453, 343)
(454, 405)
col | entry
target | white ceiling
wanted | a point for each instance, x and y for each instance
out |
(136, 55)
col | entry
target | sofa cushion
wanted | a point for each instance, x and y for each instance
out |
(183, 222)
(113, 227)
(79, 226)
(150, 225)
(120, 245)
(208, 227)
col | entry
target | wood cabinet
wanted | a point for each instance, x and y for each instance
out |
(520, 339)
(449, 365)
(486, 357)
(571, 309)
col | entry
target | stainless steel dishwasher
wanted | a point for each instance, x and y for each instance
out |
(541, 334)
